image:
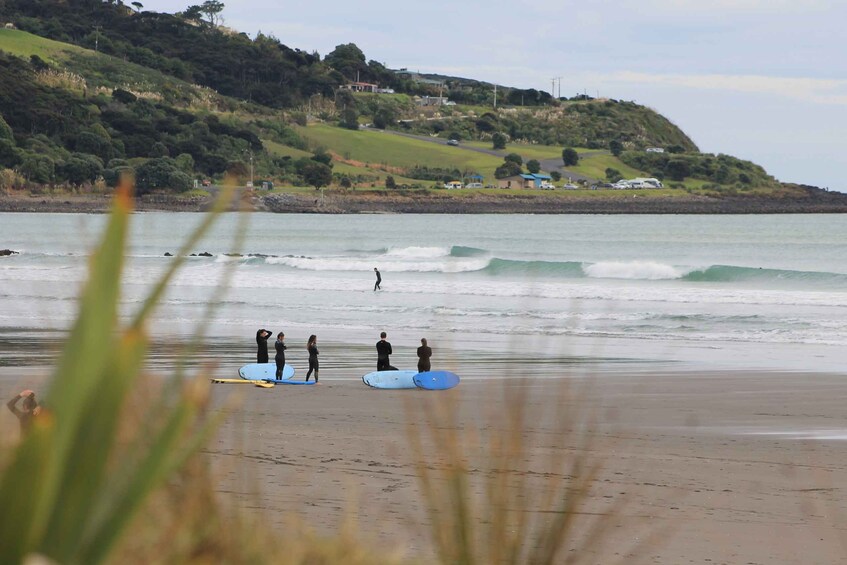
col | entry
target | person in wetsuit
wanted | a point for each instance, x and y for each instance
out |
(262, 341)
(312, 346)
(378, 280)
(280, 354)
(383, 350)
(29, 409)
(424, 353)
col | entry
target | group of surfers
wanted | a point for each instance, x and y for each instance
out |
(29, 408)
(383, 351)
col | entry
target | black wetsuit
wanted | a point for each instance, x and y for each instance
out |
(424, 353)
(378, 280)
(313, 361)
(262, 342)
(383, 350)
(280, 357)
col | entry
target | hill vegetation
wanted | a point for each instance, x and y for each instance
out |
(92, 89)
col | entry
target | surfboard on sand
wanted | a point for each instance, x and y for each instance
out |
(436, 380)
(233, 381)
(390, 379)
(262, 371)
(288, 382)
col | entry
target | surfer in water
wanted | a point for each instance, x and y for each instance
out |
(312, 346)
(424, 353)
(262, 341)
(280, 354)
(383, 350)
(378, 280)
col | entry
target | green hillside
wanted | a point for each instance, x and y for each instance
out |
(383, 148)
(23, 44)
(76, 118)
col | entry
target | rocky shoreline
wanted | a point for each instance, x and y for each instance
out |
(414, 202)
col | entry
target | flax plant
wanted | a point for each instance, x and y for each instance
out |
(69, 491)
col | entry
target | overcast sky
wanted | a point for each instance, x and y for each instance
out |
(764, 80)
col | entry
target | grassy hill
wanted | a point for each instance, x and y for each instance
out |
(73, 116)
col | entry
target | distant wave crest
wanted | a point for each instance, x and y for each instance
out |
(728, 273)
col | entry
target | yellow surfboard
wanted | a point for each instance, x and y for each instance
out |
(233, 381)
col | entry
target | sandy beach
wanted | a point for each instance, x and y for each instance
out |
(737, 467)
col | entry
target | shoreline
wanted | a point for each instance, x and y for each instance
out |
(412, 202)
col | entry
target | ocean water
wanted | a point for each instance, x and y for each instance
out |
(606, 292)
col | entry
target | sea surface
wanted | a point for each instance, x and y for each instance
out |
(592, 292)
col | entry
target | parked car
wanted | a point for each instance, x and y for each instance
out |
(474, 185)
(570, 186)
(546, 185)
(452, 142)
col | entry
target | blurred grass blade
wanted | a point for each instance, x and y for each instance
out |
(167, 452)
(81, 486)
(22, 487)
(156, 294)
(83, 361)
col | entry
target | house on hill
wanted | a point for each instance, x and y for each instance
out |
(525, 180)
(360, 87)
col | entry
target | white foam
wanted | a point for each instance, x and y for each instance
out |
(417, 252)
(228, 258)
(449, 265)
(641, 270)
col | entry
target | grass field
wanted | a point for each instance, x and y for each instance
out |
(397, 151)
(595, 166)
(528, 151)
(23, 44)
(279, 150)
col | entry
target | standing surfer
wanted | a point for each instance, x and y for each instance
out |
(312, 346)
(30, 409)
(424, 353)
(262, 341)
(378, 280)
(280, 354)
(383, 350)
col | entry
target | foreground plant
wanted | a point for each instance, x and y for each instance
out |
(70, 490)
(505, 490)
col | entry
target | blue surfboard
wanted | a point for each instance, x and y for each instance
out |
(436, 380)
(262, 371)
(390, 379)
(288, 382)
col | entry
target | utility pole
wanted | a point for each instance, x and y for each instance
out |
(553, 86)
(495, 96)
(250, 153)
(97, 38)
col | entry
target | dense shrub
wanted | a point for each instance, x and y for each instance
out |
(161, 173)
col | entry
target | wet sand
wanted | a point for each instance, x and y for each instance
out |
(719, 467)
